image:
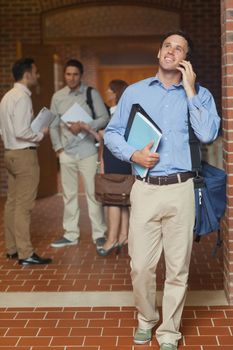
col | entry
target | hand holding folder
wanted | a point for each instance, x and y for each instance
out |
(43, 119)
(76, 114)
(140, 131)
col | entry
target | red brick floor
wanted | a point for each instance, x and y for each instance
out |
(78, 268)
(107, 328)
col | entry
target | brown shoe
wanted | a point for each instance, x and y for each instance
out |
(12, 256)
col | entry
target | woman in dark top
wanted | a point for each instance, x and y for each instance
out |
(117, 216)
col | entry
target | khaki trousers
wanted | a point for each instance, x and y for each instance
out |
(70, 166)
(23, 179)
(162, 219)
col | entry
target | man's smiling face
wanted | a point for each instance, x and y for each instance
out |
(174, 49)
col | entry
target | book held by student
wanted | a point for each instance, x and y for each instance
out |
(43, 119)
(76, 114)
(140, 131)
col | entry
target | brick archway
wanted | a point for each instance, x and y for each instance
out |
(57, 4)
(109, 21)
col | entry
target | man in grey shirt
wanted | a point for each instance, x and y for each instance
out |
(77, 154)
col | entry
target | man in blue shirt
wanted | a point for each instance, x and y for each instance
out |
(163, 207)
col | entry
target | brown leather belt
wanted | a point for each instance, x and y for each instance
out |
(21, 149)
(167, 180)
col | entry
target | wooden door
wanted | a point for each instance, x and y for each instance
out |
(41, 96)
(130, 74)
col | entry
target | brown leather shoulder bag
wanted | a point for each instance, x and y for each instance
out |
(113, 189)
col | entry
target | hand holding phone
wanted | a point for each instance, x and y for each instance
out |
(188, 77)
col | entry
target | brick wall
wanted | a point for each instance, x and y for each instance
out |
(227, 115)
(19, 21)
(201, 19)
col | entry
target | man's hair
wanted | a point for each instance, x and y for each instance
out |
(184, 35)
(74, 63)
(21, 66)
(118, 87)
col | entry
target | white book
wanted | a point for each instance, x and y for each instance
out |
(43, 119)
(74, 114)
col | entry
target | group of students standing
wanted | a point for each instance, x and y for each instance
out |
(76, 155)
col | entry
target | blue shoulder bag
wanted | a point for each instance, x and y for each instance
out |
(210, 192)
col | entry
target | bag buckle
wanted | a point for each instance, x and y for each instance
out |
(199, 196)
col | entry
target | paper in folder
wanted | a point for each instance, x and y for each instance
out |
(140, 131)
(76, 114)
(43, 119)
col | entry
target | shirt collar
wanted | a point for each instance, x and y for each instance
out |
(23, 88)
(79, 90)
(156, 80)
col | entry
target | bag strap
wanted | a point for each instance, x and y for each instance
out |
(194, 144)
(89, 101)
(218, 244)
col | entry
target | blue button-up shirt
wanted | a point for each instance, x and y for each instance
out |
(168, 107)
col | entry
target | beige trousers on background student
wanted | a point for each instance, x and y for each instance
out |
(23, 179)
(162, 217)
(70, 166)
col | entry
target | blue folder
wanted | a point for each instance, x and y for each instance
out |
(140, 131)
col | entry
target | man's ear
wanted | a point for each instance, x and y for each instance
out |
(158, 55)
(188, 56)
(27, 75)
